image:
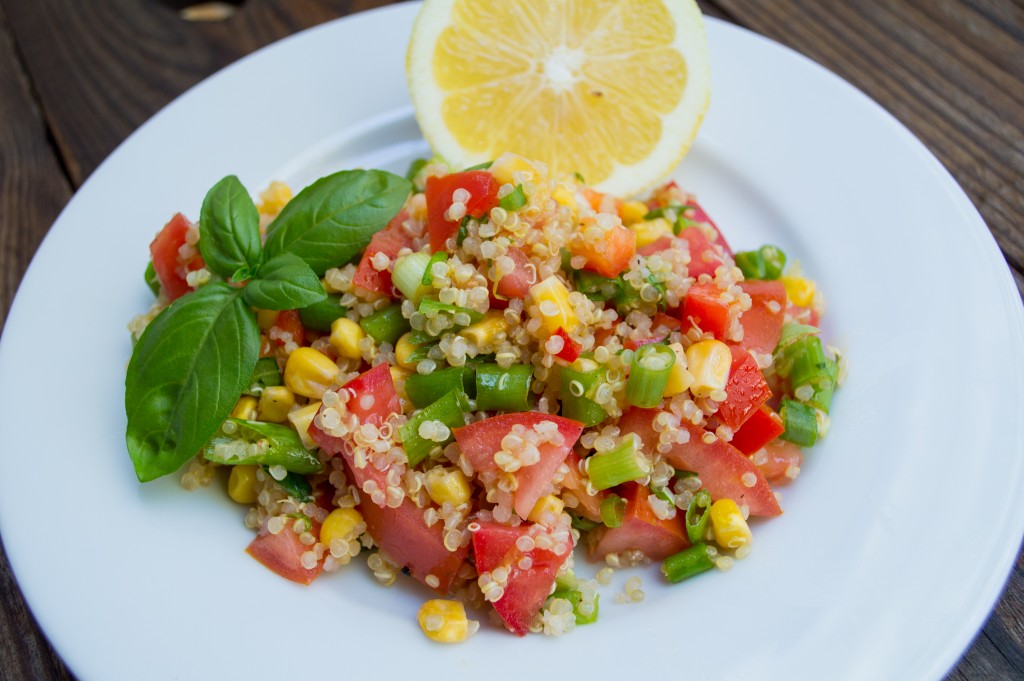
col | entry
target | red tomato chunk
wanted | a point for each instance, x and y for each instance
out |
(483, 196)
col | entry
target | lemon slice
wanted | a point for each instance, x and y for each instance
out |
(612, 89)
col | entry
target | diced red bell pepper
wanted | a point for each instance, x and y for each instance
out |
(483, 196)
(721, 466)
(611, 261)
(282, 553)
(516, 284)
(290, 322)
(762, 323)
(570, 351)
(704, 308)
(167, 263)
(779, 456)
(763, 426)
(526, 590)
(746, 388)
(589, 505)
(389, 241)
(641, 530)
(479, 442)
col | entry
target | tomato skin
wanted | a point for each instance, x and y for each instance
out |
(483, 196)
(516, 284)
(719, 465)
(746, 388)
(763, 426)
(389, 241)
(778, 457)
(641, 530)
(282, 553)
(289, 321)
(167, 263)
(570, 351)
(704, 309)
(762, 325)
(480, 440)
(494, 545)
(695, 212)
(619, 249)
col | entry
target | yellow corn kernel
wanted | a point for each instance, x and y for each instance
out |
(679, 377)
(266, 319)
(444, 621)
(302, 419)
(564, 197)
(485, 331)
(403, 350)
(398, 376)
(632, 212)
(309, 372)
(506, 165)
(242, 484)
(552, 298)
(649, 231)
(341, 523)
(245, 408)
(545, 505)
(275, 403)
(447, 484)
(345, 337)
(800, 291)
(731, 529)
(274, 198)
(709, 362)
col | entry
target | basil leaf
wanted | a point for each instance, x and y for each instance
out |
(151, 279)
(186, 373)
(229, 229)
(284, 283)
(334, 218)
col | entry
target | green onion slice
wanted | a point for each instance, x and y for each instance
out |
(697, 516)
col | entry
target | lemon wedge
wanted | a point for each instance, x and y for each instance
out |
(614, 90)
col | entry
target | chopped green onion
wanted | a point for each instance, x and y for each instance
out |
(649, 374)
(320, 316)
(151, 279)
(687, 563)
(800, 422)
(697, 516)
(613, 510)
(792, 343)
(825, 386)
(425, 389)
(514, 200)
(463, 230)
(449, 410)
(428, 274)
(502, 389)
(414, 169)
(774, 261)
(408, 275)
(582, 524)
(480, 166)
(385, 325)
(580, 381)
(566, 259)
(264, 375)
(431, 308)
(596, 287)
(803, 361)
(255, 442)
(571, 593)
(295, 485)
(751, 264)
(616, 466)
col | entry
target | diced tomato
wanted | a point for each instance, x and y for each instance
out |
(167, 263)
(662, 243)
(704, 258)
(721, 466)
(762, 323)
(389, 241)
(516, 284)
(704, 308)
(483, 196)
(372, 395)
(641, 530)
(282, 553)
(637, 343)
(803, 315)
(526, 590)
(596, 198)
(619, 248)
(695, 212)
(290, 322)
(746, 389)
(763, 426)
(570, 351)
(778, 457)
(589, 505)
(479, 441)
(662, 321)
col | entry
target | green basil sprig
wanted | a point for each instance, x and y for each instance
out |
(196, 358)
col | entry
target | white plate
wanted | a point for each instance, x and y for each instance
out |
(896, 539)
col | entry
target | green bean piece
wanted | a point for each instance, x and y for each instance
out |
(501, 389)
(385, 325)
(449, 410)
(687, 563)
(241, 442)
(800, 422)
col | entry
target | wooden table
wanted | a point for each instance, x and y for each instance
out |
(76, 78)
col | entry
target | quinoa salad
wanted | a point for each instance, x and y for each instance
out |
(461, 376)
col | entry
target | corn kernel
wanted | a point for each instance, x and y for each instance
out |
(679, 377)
(799, 290)
(731, 529)
(345, 337)
(275, 403)
(302, 419)
(398, 376)
(403, 350)
(649, 231)
(274, 198)
(485, 331)
(242, 484)
(309, 372)
(505, 166)
(444, 621)
(266, 319)
(545, 505)
(632, 212)
(709, 362)
(564, 197)
(341, 523)
(447, 484)
(552, 298)
(245, 408)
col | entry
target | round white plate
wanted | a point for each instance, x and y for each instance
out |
(896, 538)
